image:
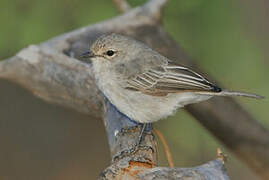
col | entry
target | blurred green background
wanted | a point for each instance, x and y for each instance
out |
(228, 38)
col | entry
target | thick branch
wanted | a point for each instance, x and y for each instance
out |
(123, 134)
(51, 72)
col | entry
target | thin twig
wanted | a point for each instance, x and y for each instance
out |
(122, 5)
(166, 148)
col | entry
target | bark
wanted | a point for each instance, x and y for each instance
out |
(52, 71)
(142, 164)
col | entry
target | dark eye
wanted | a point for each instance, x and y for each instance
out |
(110, 52)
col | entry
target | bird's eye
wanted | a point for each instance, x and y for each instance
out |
(110, 52)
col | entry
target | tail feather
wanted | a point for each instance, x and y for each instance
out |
(224, 92)
(236, 93)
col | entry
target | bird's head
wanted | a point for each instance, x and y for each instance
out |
(113, 48)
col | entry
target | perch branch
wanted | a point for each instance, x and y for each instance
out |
(143, 163)
(51, 71)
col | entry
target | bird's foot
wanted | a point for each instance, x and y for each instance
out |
(137, 146)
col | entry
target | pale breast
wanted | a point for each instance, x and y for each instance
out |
(138, 106)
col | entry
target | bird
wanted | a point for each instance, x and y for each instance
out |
(145, 85)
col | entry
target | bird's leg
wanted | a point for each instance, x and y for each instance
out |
(137, 145)
(139, 141)
(141, 135)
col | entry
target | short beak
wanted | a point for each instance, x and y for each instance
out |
(87, 54)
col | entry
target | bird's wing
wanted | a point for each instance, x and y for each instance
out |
(169, 78)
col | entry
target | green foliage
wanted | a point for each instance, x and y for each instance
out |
(28, 22)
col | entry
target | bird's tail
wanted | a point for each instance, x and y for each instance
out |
(225, 92)
(236, 93)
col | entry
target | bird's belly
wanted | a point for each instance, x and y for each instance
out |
(145, 108)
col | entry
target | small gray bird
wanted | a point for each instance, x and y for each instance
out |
(143, 84)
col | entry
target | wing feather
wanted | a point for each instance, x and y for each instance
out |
(169, 78)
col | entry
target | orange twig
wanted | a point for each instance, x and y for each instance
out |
(166, 148)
